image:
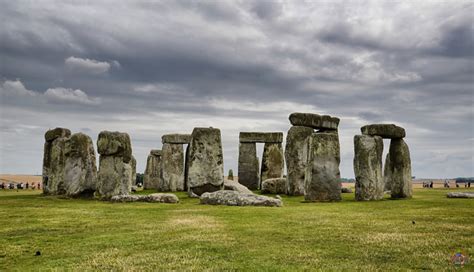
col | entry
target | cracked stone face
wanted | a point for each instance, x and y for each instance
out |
(368, 167)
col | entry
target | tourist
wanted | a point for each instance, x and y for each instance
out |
(27, 185)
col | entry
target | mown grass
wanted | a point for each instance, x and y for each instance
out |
(74, 234)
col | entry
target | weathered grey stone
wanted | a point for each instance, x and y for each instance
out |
(176, 138)
(126, 198)
(157, 198)
(115, 143)
(133, 163)
(399, 169)
(460, 195)
(249, 170)
(235, 186)
(368, 167)
(261, 137)
(58, 132)
(384, 131)
(80, 170)
(204, 161)
(54, 161)
(172, 167)
(274, 186)
(234, 198)
(387, 174)
(322, 179)
(346, 190)
(313, 120)
(273, 161)
(152, 176)
(230, 175)
(296, 155)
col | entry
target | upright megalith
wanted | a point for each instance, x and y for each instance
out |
(152, 176)
(273, 161)
(322, 179)
(399, 169)
(80, 170)
(54, 160)
(172, 167)
(134, 170)
(115, 170)
(296, 155)
(204, 161)
(387, 174)
(249, 170)
(368, 167)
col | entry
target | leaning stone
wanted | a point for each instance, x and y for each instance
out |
(274, 186)
(162, 198)
(460, 195)
(322, 179)
(261, 137)
(115, 143)
(399, 169)
(54, 161)
(249, 170)
(313, 120)
(234, 198)
(273, 161)
(58, 132)
(346, 190)
(172, 168)
(368, 167)
(204, 161)
(296, 156)
(152, 176)
(384, 130)
(235, 186)
(176, 139)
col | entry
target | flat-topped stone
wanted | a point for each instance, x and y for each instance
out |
(313, 120)
(261, 137)
(56, 133)
(176, 139)
(115, 143)
(387, 131)
(156, 152)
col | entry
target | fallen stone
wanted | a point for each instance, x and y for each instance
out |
(368, 167)
(152, 176)
(389, 131)
(172, 168)
(235, 186)
(249, 170)
(234, 198)
(399, 169)
(296, 156)
(156, 198)
(346, 190)
(115, 143)
(313, 120)
(176, 139)
(274, 186)
(58, 132)
(460, 195)
(273, 161)
(261, 137)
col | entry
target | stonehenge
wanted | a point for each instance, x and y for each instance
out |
(172, 168)
(396, 176)
(234, 198)
(53, 160)
(296, 153)
(152, 175)
(274, 186)
(249, 169)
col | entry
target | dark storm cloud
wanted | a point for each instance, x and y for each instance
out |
(151, 68)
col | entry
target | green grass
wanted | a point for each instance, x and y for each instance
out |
(74, 234)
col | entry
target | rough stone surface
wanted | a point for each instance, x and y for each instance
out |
(172, 168)
(322, 179)
(58, 132)
(296, 155)
(346, 190)
(273, 161)
(176, 139)
(234, 198)
(249, 170)
(399, 169)
(261, 137)
(133, 163)
(115, 143)
(204, 161)
(368, 167)
(274, 186)
(152, 176)
(54, 161)
(387, 174)
(384, 131)
(80, 170)
(460, 195)
(313, 120)
(157, 198)
(235, 186)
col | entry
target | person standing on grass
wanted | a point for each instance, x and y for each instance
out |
(27, 185)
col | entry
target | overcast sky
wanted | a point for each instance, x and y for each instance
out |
(151, 68)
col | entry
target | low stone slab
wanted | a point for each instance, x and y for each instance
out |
(387, 131)
(313, 120)
(274, 186)
(261, 137)
(176, 139)
(56, 133)
(235, 186)
(157, 198)
(460, 195)
(234, 198)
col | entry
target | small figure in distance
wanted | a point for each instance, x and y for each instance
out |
(431, 184)
(27, 185)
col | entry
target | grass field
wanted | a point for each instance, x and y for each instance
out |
(77, 234)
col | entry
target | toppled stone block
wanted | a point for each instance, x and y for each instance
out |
(296, 156)
(54, 161)
(314, 121)
(261, 137)
(235, 186)
(249, 170)
(176, 139)
(274, 186)
(460, 195)
(387, 131)
(234, 198)
(273, 161)
(156, 198)
(152, 176)
(368, 167)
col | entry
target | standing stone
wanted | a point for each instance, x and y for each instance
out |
(273, 161)
(54, 160)
(368, 167)
(134, 170)
(204, 162)
(80, 170)
(399, 169)
(176, 138)
(387, 174)
(322, 179)
(115, 170)
(152, 176)
(172, 167)
(248, 166)
(296, 155)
